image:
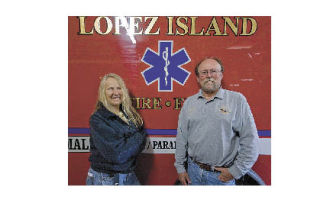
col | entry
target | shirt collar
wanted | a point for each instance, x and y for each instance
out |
(219, 94)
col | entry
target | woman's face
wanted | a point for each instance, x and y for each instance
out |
(113, 92)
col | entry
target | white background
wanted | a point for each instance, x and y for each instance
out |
(34, 112)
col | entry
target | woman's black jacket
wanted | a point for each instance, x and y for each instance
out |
(114, 144)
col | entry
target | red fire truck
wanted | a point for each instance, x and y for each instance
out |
(156, 57)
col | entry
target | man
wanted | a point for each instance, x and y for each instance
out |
(217, 136)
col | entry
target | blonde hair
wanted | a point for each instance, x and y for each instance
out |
(126, 103)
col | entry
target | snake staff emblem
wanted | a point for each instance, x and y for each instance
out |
(167, 62)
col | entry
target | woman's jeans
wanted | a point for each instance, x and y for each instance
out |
(99, 178)
(200, 176)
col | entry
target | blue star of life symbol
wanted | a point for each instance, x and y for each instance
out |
(165, 66)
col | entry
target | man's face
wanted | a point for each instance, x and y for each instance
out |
(210, 76)
(113, 92)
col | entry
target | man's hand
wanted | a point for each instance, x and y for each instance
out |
(184, 178)
(225, 175)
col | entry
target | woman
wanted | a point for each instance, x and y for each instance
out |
(116, 135)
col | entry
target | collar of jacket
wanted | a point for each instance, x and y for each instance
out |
(105, 112)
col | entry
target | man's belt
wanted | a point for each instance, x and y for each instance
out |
(205, 166)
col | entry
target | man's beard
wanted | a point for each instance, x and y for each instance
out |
(210, 89)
